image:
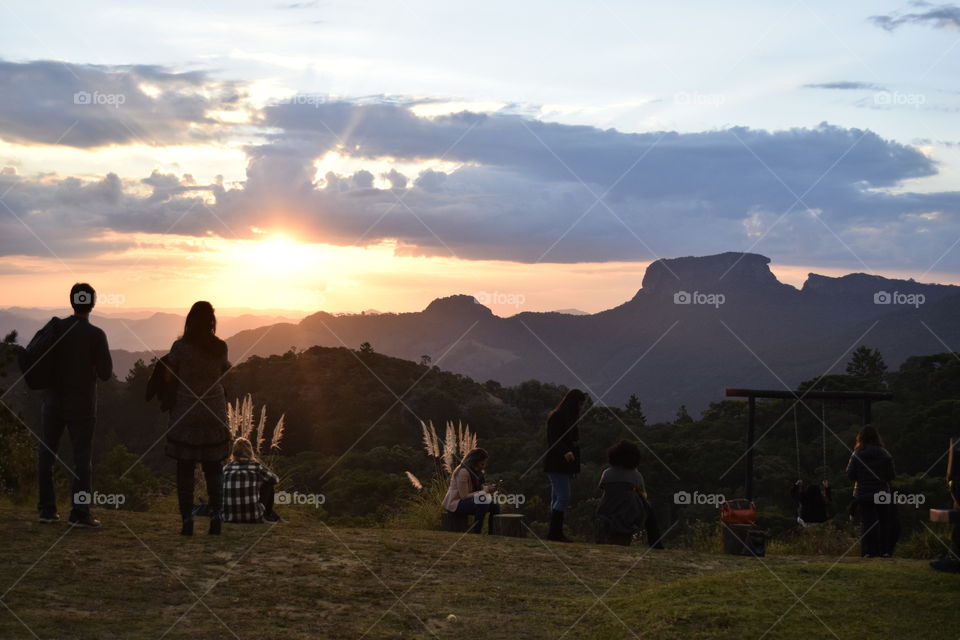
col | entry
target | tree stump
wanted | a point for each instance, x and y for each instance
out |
(744, 540)
(458, 522)
(510, 524)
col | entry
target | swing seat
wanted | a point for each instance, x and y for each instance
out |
(948, 516)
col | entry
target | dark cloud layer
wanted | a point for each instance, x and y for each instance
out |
(946, 16)
(845, 85)
(524, 190)
(86, 106)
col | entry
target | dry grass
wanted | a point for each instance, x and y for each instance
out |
(137, 579)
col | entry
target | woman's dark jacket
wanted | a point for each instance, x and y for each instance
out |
(562, 436)
(198, 418)
(871, 469)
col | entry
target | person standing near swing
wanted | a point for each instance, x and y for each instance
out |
(872, 470)
(562, 460)
(812, 501)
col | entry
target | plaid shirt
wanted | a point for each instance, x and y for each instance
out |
(241, 490)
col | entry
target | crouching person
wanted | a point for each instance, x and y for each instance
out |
(248, 487)
(621, 511)
(470, 494)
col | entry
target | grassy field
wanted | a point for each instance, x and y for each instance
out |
(300, 579)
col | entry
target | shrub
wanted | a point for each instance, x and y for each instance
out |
(927, 543)
(18, 452)
(423, 509)
(120, 473)
(830, 538)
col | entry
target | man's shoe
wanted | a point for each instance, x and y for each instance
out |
(48, 517)
(273, 516)
(215, 524)
(187, 528)
(84, 520)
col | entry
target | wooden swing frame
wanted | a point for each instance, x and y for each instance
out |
(867, 397)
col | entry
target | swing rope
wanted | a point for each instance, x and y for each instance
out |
(823, 428)
(796, 439)
(823, 437)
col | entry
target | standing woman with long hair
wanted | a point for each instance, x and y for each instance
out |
(871, 469)
(562, 460)
(198, 422)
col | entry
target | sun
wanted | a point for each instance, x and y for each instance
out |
(279, 254)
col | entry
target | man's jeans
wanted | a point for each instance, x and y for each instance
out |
(81, 440)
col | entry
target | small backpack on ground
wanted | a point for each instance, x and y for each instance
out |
(738, 511)
(158, 385)
(36, 361)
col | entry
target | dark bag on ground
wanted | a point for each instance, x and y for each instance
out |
(36, 360)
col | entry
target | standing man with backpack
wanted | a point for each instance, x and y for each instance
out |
(76, 354)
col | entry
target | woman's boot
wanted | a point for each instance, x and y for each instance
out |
(556, 527)
(215, 523)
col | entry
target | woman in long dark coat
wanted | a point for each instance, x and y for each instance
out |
(198, 422)
(562, 461)
(871, 469)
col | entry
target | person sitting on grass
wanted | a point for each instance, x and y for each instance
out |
(248, 487)
(812, 501)
(621, 511)
(470, 494)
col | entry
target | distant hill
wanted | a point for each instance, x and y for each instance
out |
(741, 327)
(139, 332)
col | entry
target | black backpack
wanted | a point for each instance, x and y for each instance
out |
(36, 361)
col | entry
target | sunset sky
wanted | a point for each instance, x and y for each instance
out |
(349, 156)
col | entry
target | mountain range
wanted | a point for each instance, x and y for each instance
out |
(695, 326)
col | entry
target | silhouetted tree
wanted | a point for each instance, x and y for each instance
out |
(634, 410)
(425, 360)
(868, 367)
(366, 348)
(683, 417)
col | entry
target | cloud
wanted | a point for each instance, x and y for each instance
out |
(846, 85)
(946, 16)
(86, 106)
(299, 5)
(644, 165)
(524, 190)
